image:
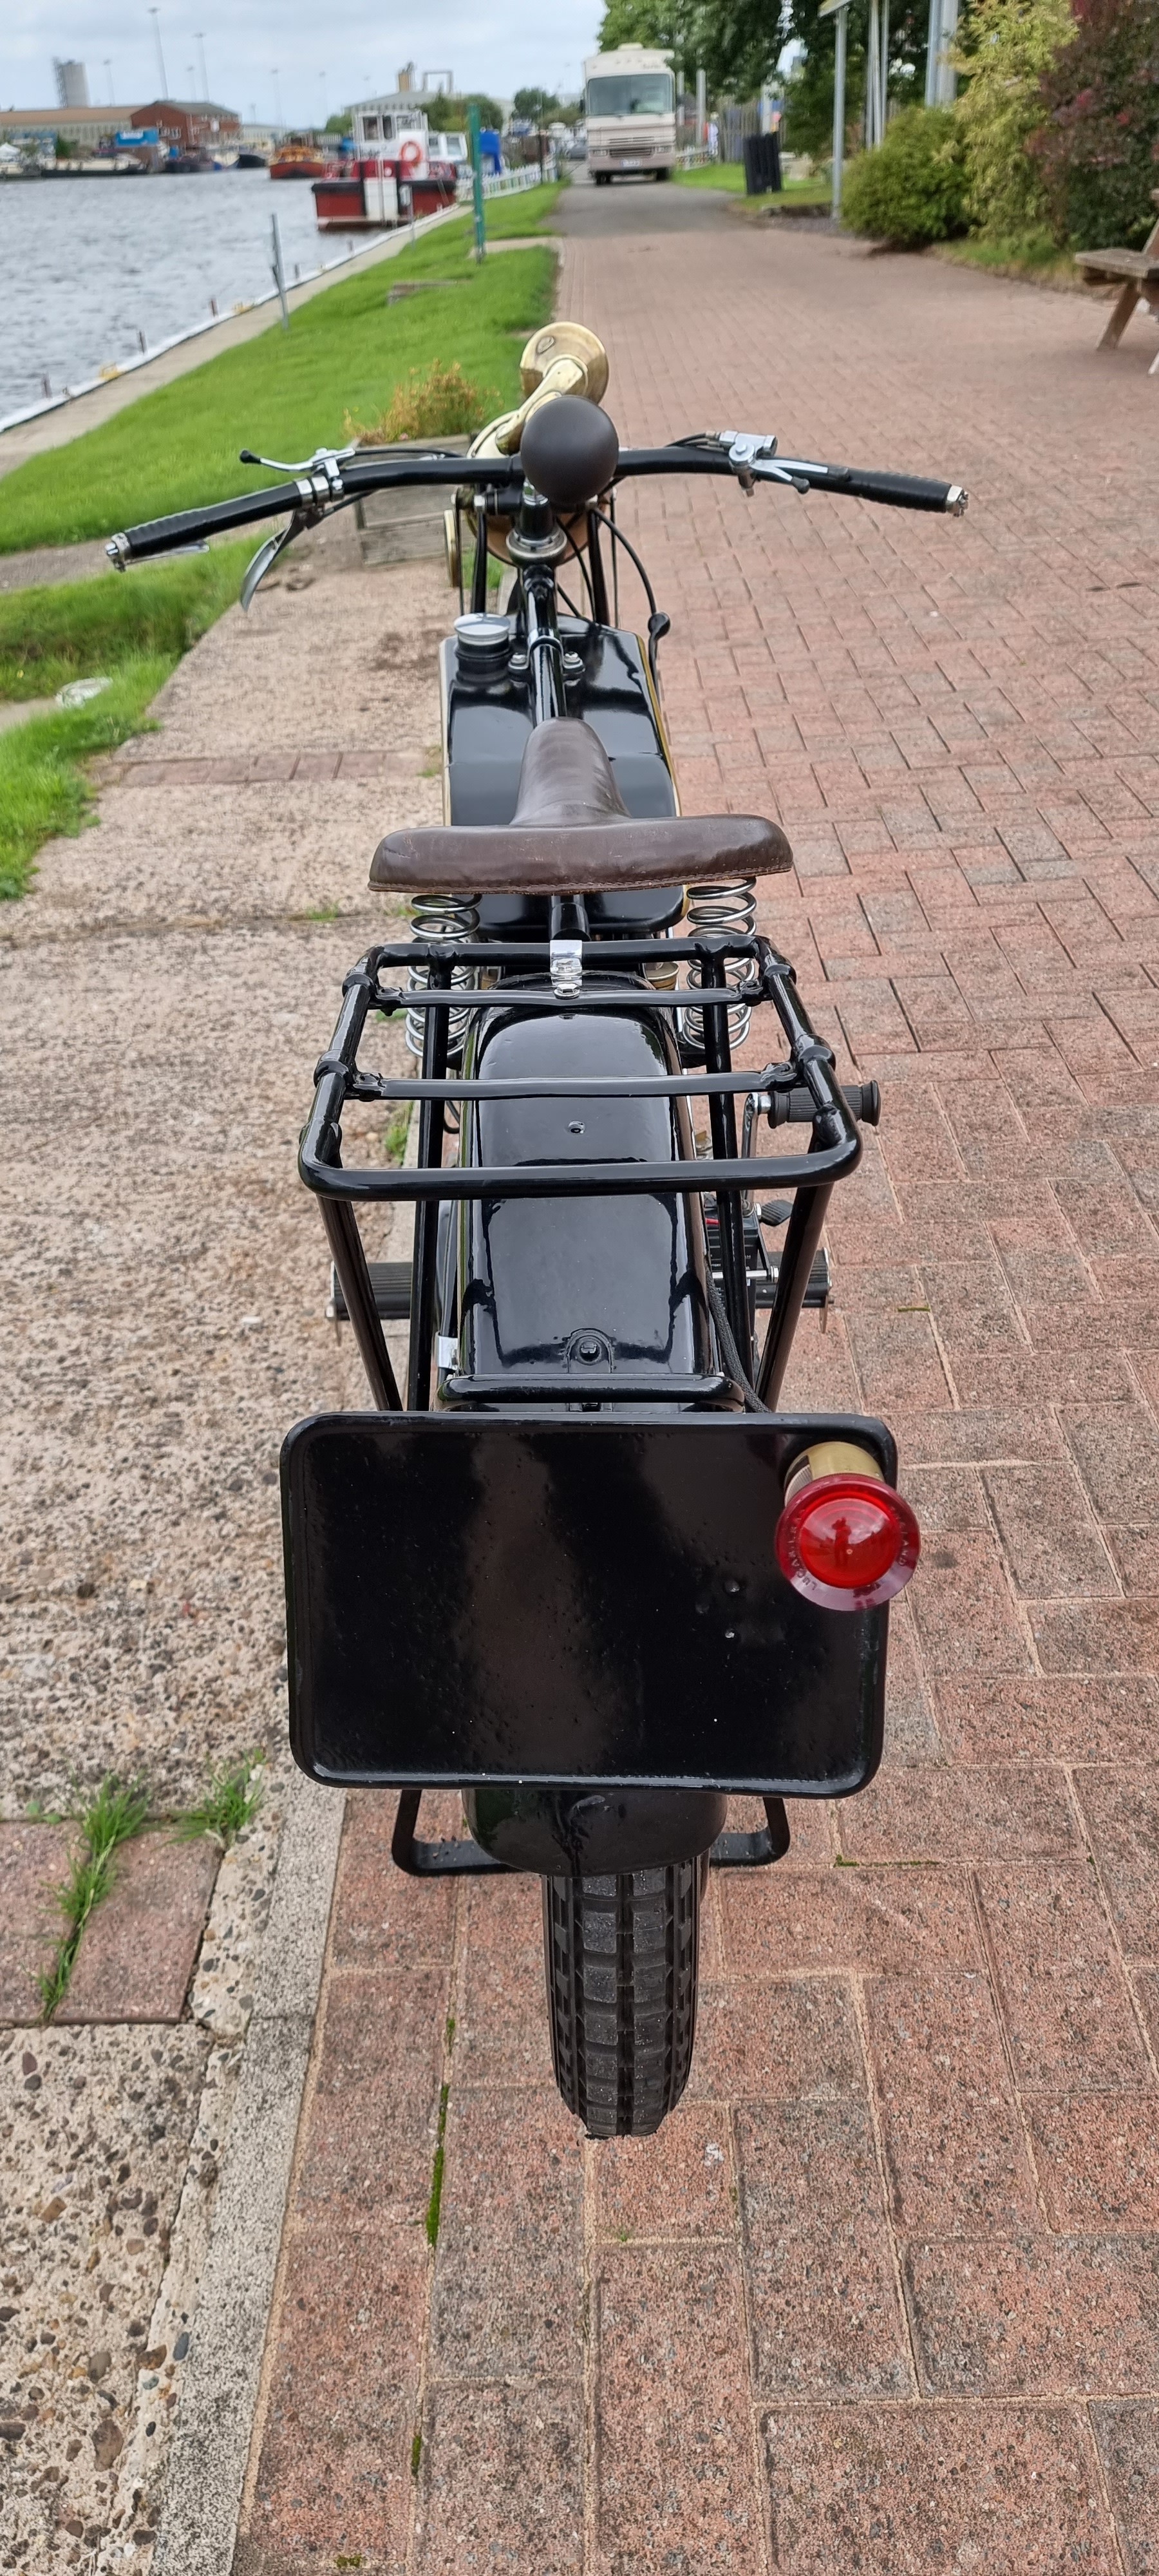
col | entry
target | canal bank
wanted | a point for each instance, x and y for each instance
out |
(103, 400)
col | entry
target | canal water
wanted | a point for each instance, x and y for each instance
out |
(89, 264)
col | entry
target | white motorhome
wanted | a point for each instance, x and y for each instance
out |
(630, 108)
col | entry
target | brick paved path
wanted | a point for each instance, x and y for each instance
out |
(885, 2294)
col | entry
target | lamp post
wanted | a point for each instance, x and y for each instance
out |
(838, 9)
(199, 41)
(941, 78)
(277, 97)
(476, 150)
(155, 15)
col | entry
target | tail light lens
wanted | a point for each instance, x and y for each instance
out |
(848, 1542)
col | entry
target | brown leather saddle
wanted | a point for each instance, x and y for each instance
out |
(571, 833)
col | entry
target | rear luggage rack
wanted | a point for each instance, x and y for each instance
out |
(603, 977)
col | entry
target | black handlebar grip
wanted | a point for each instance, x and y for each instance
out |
(191, 527)
(902, 491)
(798, 1108)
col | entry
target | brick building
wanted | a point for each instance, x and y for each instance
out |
(194, 125)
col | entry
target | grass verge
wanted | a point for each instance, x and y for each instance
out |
(73, 629)
(116, 1813)
(1035, 257)
(728, 176)
(287, 392)
(134, 629)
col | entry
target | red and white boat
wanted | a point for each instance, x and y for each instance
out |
(396, 170)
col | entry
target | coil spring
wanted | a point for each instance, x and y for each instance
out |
(732, 909)
(447, 917)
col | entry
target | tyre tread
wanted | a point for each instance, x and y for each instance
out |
(621, 1958)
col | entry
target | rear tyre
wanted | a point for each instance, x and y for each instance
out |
(621, 1957)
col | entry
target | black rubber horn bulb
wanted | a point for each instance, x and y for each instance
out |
(569, 451)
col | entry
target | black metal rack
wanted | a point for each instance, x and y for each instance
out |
(803, 1085)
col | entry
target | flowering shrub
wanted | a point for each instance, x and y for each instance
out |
(1098, 148)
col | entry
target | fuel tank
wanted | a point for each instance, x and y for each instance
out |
(487, 721)
(564, 1286)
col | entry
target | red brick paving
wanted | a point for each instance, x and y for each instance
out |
(139, 1947)
(885, 2293)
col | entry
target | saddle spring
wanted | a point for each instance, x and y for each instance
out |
(730, 908)
(441, 917)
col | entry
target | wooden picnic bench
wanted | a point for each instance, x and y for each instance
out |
(1138, 271)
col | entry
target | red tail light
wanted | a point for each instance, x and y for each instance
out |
(847, 1542)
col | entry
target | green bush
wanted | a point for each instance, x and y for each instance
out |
(1012, 45)
(1099, 119)
(913, 188)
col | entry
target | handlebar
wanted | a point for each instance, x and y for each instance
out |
(331, 480)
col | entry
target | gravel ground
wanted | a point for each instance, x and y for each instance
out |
(164, 992)
(164, 1279)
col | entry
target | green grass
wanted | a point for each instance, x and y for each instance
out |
(74, 629)
(729, 177)
(134, 627)
(112, 1817)
(288, 392)
(231, 1800)
(42, 790)
(1034, 256)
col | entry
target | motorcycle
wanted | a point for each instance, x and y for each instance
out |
(586, 1573)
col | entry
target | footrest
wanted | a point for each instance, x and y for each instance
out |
(390, 1281)
(818, 1292)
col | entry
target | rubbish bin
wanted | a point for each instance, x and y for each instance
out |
(755, 182)
(762, 164)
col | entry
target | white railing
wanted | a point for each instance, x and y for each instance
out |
(506, 183)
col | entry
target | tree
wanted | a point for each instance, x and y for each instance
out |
(809, 86)
(539, 106)
(449, 115)
(1099, 141)
(1012, 45)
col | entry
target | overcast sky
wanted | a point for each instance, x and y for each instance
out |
(324, 55)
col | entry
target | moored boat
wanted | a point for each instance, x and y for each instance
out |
(298, 158)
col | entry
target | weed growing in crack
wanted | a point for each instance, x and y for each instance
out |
(232, 1799)
(435, 2202)
(112, 1817)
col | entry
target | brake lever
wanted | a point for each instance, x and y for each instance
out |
(271, 547)
(325, 460)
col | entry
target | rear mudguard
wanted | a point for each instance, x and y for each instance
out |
(555, 1285)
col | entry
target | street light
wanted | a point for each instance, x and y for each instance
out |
(199, 41)
(109, 78)
(155, 15)
(277, 95)
(838, 9)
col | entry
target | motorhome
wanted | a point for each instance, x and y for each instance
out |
(630, 108)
